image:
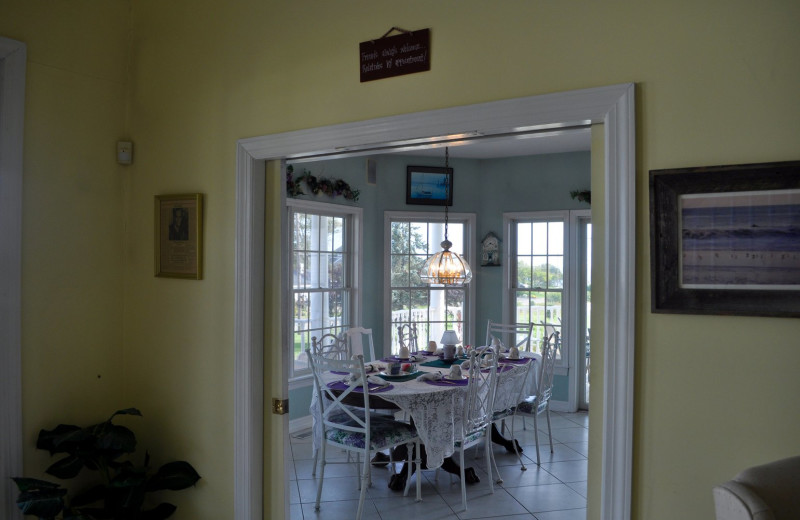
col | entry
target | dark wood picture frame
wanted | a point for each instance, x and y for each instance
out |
(429, 185)
(179, 236)
(698, 260)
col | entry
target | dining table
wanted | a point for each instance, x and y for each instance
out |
(436, 406)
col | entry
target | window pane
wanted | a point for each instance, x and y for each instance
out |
(524, 238)
(400, 303)
(555, 238)
(556, 275)
(553, 311)
(399, 273)
(537, 306)
(338, 234)
(400, 235)
(416, 263)
(336, 272)
(300, 231)
(523, 272)
(539, 238)
(418, 238)
(455, 233)
(539, 272)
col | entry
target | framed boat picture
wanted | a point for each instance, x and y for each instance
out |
(429, 185)
(726, 239)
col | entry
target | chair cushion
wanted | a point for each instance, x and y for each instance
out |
(529, 406)
(502, 414)
(384, 432)
(472, 438)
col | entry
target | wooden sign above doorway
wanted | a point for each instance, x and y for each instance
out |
(390, 56)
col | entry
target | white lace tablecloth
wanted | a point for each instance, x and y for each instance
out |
(437, 410)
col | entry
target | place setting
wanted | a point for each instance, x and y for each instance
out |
(453, 378)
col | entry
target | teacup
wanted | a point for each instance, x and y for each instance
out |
(513, 353)
(431, 346)
(404, 352)
(460, 351)
(496, 343)
(455, 372)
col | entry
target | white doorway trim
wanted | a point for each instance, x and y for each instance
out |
(613, 106)
(12, 118)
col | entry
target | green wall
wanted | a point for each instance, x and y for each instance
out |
(487, 187)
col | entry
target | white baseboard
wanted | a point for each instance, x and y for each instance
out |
(560, 406)
(299, 424)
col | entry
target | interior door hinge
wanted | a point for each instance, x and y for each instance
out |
(280, 406)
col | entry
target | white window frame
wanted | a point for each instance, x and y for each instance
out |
(468, 220)
(354, 222)
(570, 302)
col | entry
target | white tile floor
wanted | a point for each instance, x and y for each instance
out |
(556, 490)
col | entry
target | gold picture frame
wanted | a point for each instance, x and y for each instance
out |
(179, 236)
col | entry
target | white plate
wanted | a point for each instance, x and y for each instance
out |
(448, 378)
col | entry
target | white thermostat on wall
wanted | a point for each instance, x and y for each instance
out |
(124, 152)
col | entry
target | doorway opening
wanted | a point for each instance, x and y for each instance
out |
(612, 106)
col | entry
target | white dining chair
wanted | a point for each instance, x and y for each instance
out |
(533, 405)
(477, 414)
(331, 345)
(345, 421)
(355, 336)
(510, 334)
(511, 388)
(407, 336)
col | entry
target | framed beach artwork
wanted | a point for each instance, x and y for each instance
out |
(179, 236)
(726, 240)
(429, 185)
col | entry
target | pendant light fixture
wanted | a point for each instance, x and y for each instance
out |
(446, 267)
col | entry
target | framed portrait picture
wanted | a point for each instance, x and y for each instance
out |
(179, 236)
(726, 240)
(429, 185)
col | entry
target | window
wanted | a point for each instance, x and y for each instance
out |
(323, 259)
(410, 239)
(537, 273)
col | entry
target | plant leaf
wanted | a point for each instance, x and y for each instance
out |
(173, 475)
(160, 512)
(44, 502)
(33, 484)
(66, 468)
(62, 439)
(126, 411)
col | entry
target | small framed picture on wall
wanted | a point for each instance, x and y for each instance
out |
(429, 185)
(179, 236)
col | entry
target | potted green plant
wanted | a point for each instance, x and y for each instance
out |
(120, 495)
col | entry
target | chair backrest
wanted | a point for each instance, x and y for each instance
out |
(407, 335)
(479, 404)
(512, 385)
(331, 399)
(549, 354)
(355, 336)
(510, 334)
(330, 346)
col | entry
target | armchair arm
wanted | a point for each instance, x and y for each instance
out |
(735, 501)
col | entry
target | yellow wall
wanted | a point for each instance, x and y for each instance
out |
(73, 213)
(717, 83)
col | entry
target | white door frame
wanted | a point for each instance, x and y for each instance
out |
(12, 118)
(613, 106)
